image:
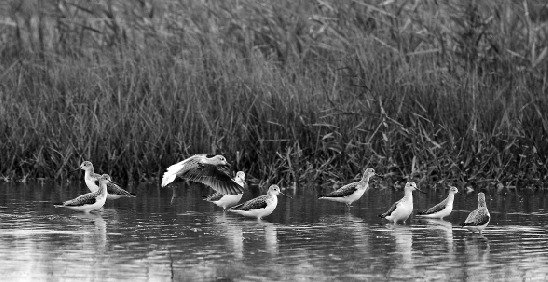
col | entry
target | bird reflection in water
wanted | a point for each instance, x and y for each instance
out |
(359, 231)
(477, 252)
(444, 229)
(95, 241)
(96, 235)
(232, 230)
(271, 238)
(239, 231)
(402, 266)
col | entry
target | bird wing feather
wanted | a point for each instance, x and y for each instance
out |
(391, 210)
(87, 199)
(346, 190)
(214, 197)
(477, 217)
(253, 204)
(217, 177)
(435, 208)
(114, 189)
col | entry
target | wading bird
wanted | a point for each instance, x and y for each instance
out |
(228, 201)
(351, 192)
(91, 178)
(211, 170)
(479, 218)
(401, 210)
(442, 209)
(261, 206)
(91, 201)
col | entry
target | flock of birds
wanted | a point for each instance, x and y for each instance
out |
(214, 171)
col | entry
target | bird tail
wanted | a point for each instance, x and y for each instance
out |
(132, 195)
(171, 173)
(58, 204)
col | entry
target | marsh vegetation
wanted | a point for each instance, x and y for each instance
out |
(289, 91)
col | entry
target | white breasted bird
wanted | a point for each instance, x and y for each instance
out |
(442, 209)
(401, 210)
(91, 178)
(351, 192)
(211, 170)
(261, 206)
(479, 218)
(91, 201)
(228, 201)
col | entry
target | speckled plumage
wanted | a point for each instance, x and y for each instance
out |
(261, 202)
(479, 218)
(351, 192)
(115, 192)
(207, 169)
(261, 206)
(88, 202)
(214, 197)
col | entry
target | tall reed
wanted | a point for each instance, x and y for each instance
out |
(290, 91)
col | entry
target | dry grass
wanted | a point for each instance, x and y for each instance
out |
(290, 91)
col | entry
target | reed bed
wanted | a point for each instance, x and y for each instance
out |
(289, 91)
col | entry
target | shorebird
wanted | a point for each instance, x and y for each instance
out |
(90, 177)
(479, 218)
(442, 209)
(228, 201)
(353, 191)
(400, 210)
(211, 170)
(261, 206)
(90, 201)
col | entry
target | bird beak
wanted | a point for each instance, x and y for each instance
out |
(381, 176)
(286, 195)
(73, 170)
(420, 190)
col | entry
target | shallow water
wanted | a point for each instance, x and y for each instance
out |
(159, 237)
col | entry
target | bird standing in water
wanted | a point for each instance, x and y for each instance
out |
(91, 201)
(261, 206)
(442, 209)
(228, 201)
(401, 210)
(91, 178)
(479, 218)
(351, 192)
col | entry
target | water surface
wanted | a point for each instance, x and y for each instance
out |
(159, 237)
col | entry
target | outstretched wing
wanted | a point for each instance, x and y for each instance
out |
(442, 205)
(218, 177)
(344, 191)
(193, 169)
(391, 210)
(253, 204)
(114, 189)
(175, 170)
